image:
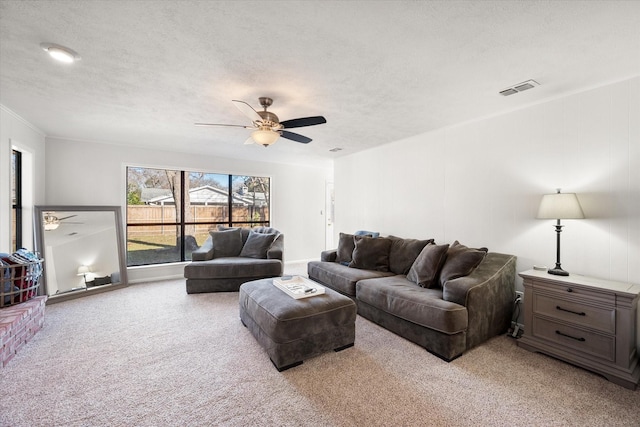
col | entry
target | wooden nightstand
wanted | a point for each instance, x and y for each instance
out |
(585, 321)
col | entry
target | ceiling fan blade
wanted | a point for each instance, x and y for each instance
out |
(216, 124)
(304, 121)
(247, 110)
(70, 216)
(295, 137)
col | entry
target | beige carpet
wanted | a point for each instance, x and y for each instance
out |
(151, 355)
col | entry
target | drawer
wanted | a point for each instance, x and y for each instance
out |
(567, 290)
(599, 318)
(586, 342)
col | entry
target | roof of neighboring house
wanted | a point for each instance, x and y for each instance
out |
(208, 195)
(147, 194)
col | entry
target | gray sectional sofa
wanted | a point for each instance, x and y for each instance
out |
(232, 256)
(445, 298)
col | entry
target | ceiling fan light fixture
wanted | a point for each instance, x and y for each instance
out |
(51, 222)
(60, 53)
(265, 137)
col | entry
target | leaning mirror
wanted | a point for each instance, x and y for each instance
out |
(83, 250)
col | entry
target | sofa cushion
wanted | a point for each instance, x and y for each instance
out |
(371, 253)
(244, 231)
(346, 245)
(404, 252)
(257, 245)
(460, 261)
(425, 269)
(226, 243)
(425, 307)
(233, 267)
(340, 277)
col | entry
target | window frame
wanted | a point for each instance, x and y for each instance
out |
(16, 205)
(181, 224)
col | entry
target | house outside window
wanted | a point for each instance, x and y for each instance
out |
(171, 212)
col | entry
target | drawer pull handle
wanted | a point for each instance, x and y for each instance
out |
(569, 290)
(582, 313)
(569, 336)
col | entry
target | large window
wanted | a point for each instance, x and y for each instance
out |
(16, 200)
(170, 212)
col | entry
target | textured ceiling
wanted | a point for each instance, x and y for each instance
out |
(378, 71)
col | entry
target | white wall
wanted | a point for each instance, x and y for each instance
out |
(16, 132)
(481, 183)
(88, 173)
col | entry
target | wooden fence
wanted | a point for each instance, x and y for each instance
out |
(138, 215)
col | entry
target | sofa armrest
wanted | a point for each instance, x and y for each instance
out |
(204, 252)
(488, 294)
(276, 251)
(329, 256)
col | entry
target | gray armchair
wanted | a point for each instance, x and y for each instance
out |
(227, 260)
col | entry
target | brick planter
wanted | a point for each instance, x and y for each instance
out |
(18, 324)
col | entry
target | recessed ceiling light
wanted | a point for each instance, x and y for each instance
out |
(60, 53)
(334, 150)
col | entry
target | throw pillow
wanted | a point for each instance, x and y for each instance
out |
(427, 265)
(371, 253)
(461, 261)
(257, 245)
(243, 231)
(404, 252)
(226, 243)
(346, 245)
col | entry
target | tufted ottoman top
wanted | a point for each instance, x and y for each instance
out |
(284, 319)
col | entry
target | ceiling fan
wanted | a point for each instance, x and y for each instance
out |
(267, 128)
(51, 222)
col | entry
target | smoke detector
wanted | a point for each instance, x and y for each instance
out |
(520, 87)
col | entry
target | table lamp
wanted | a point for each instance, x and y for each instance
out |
(559, 206)
(82, 271)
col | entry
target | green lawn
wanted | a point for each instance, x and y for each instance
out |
(153, 249)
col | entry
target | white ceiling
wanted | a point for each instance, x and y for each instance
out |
(379, 71)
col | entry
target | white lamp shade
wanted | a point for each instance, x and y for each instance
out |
(560, 206)
(265, 137)
(83, 269)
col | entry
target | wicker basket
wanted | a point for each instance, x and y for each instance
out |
(19, 282)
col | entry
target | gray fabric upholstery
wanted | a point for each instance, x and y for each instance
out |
(226, 243)
(206, 273)
(292, 330)
(425, 269)
(406, 300)
(445, 346)
(371, 253)
(257, 245)
(329, 256)
(346, 245)
(446, 321)
(403, 252)
(204, 252)
(340, 277)
(488, 295)
(220, 268)
(461, 261)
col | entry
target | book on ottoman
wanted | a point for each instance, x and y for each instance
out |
(298, 287)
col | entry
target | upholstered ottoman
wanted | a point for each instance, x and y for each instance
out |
(291, 330)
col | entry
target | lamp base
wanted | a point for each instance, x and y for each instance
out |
(558, 271)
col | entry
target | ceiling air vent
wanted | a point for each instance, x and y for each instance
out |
(520, 87)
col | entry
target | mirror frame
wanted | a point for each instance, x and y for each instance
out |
(39, 247)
